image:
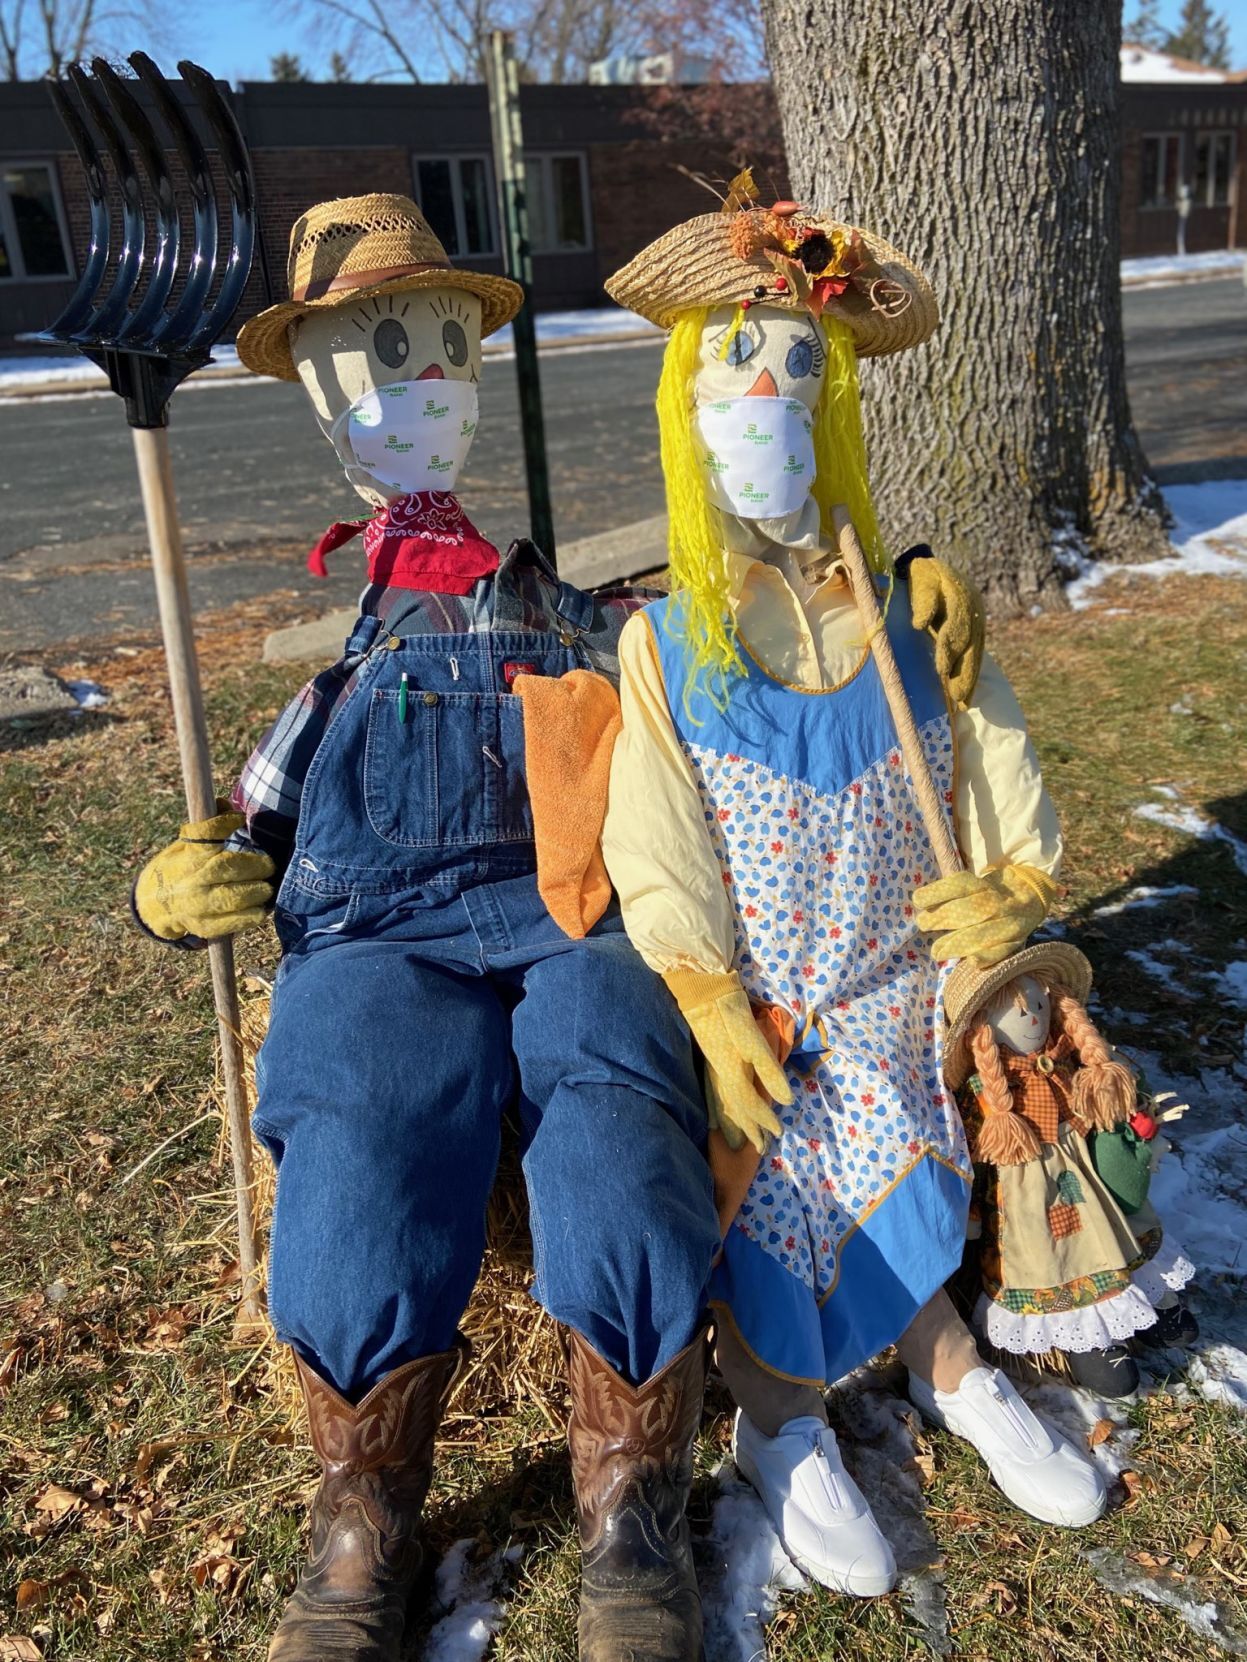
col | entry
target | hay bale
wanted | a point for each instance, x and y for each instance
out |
(517, 1356)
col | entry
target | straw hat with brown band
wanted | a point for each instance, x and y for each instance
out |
(781, 256)
(353, 249)
(968, 987)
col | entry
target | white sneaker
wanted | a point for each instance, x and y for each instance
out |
(819, 1512)
(1037, 1469)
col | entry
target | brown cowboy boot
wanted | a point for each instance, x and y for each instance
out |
(632, 1465)
(376, 1465)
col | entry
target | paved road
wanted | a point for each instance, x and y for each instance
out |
(72, 556)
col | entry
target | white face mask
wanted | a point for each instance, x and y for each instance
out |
(758, 455)
(408, 435)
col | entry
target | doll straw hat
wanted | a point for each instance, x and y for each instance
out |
(357, 248)
(969, 988)
(781, 256)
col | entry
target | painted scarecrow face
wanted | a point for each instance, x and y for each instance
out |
(1020, 1016)
(774, 354)
(346, 351)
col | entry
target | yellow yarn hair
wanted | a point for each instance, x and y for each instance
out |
(701, 617)
(840, 473)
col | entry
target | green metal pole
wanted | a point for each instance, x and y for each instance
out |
(508, 139)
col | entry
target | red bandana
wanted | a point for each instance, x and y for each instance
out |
(420, 541)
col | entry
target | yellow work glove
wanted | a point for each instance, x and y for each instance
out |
(984, 918)
(950, 609)
(197, 886)
(742, 1076)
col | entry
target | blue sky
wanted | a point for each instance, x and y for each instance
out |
(236, 38)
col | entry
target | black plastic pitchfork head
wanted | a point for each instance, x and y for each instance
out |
(143, 337)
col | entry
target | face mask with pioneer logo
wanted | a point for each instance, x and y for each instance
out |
(408, 436)
(757, 455)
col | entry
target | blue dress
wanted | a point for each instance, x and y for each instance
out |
(857, 1214)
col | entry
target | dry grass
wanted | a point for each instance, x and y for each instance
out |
(151, 1484)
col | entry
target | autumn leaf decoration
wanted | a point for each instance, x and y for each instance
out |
(818, 265)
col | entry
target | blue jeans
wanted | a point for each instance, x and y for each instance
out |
(409, 1013)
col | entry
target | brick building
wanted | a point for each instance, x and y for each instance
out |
(601, 180)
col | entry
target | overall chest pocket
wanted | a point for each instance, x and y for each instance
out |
(451, 774)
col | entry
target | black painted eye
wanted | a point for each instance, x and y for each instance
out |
(455, 343)
(800, 359)
(389, 342)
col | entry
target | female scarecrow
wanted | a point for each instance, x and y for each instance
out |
(1067, 1253)
(765, 841)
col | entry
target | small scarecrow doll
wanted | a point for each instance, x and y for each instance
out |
(1069, 1255)
(766, 844)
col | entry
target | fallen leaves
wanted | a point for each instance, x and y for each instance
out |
(1100, 1432)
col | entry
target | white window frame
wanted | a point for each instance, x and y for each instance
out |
(1162, 138)
(455, 157)
(8, 224)
(541, 160)
(1212, 135)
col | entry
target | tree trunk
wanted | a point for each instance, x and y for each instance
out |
(981, 137)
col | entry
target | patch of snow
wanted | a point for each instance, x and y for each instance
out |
(742, 1569)
(1074, 1412)
(1180, 1593)
(1142, 899)
(1145, 63)
(1194, 824)
(472, 1595)
(1200, 1189)
(1219, 1374)
(1233, 982)
(1209, 539)
(1151, 965)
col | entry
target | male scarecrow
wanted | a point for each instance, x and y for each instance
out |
(427, 811)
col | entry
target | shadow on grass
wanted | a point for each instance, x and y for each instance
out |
(31, 732)
(1163, 959)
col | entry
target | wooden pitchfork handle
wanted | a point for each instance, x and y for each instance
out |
(151, 448)
(930, 804)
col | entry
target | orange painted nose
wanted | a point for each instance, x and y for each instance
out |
(764, 386)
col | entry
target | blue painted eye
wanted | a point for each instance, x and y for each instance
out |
(800, 359)
(742, 347)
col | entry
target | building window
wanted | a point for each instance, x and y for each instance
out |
(456, 197)
(557, 188)
(1214, 167)
(33, 242)
(1162, 157)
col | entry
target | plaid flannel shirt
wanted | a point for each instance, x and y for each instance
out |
(269, 792)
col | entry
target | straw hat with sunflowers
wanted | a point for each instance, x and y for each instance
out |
(783, 256)
(355, 248)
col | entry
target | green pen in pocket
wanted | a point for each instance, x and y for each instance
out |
(402, 698)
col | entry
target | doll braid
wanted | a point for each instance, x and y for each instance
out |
(1104, 1092)
(1005, 1138)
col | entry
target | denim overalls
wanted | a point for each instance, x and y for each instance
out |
(424, 988)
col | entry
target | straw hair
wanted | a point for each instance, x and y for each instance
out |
(970, 988)
(356, 248)
(716, 260)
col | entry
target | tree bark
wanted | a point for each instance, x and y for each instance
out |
(982, 138)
